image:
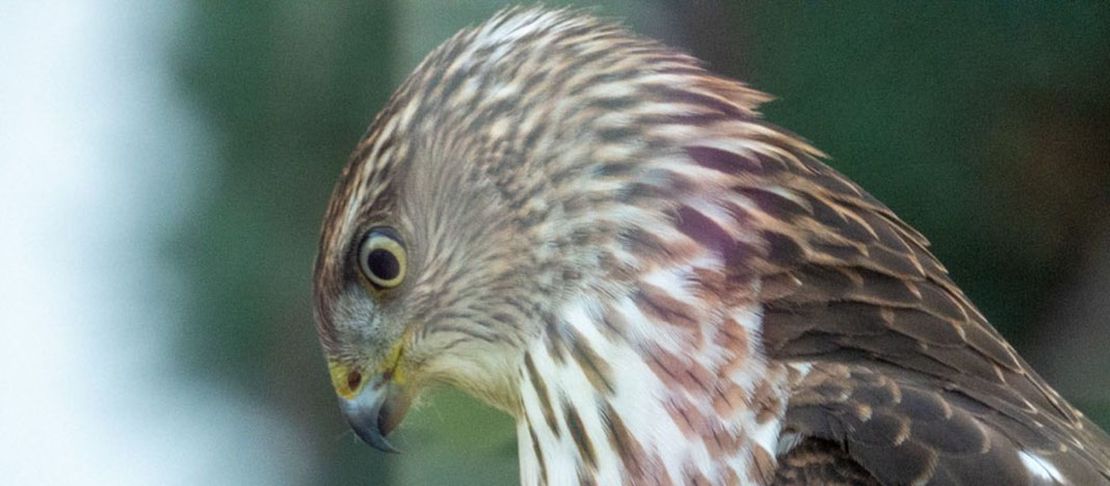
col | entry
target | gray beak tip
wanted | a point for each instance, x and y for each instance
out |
(374, 413)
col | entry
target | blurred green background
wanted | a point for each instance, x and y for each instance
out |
(986, 125)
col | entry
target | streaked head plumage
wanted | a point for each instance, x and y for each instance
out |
(508, 162)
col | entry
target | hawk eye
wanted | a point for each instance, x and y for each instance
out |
(382, 258)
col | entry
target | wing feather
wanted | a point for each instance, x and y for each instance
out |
(818, 462)
(909, 379)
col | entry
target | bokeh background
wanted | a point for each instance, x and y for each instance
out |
(165, 166)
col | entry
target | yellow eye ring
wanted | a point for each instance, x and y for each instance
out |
(382, 258)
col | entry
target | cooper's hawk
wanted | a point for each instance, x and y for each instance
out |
(591, 232)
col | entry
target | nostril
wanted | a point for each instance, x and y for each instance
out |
(354, 379)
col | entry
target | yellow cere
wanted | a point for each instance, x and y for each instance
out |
(391, 363)
(340, 373)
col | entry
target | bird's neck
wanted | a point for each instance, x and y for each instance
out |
(649, 387)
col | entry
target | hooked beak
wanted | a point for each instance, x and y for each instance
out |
(375, 410)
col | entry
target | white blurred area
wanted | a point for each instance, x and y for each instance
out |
(101, 161)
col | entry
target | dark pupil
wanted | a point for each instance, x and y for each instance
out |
(383, 264)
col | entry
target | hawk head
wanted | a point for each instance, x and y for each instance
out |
(505, 178)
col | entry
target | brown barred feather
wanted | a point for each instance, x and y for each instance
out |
(817, 462)
(857, 293)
